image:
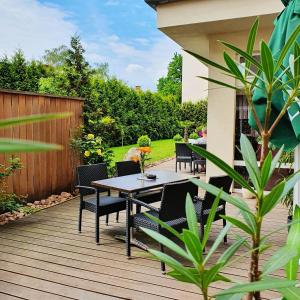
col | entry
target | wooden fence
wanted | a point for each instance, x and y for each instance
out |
(42, 173)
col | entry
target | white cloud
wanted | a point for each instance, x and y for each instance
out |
(112, 2)
(33, 27)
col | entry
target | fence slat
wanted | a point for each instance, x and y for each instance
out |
(42, 173)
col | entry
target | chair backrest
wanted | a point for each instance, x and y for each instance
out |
(88, 173)
(221, 182)
(203, 146)
(174, 198)
(127, 167)
(182, 149)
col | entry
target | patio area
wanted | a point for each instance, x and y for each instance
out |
(44, 257)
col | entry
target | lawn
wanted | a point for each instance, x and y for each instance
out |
(160, 150)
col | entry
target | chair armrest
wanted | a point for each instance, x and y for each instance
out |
(139, 202)
(87, 188)
(197, 198)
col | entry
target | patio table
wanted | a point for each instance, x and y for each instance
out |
(132, 184)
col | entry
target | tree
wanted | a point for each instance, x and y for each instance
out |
(5, 73)
(19, 71)
(56, 57)
(172, 83)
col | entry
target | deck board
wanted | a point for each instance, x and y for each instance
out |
(44, 257)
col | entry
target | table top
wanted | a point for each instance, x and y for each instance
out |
(131, 183)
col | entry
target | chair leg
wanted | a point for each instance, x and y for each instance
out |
(191, 170)
(162, 264)
(185, 165)
(97, 229)
(138, 209)
(128, 227)
(107, 219)
(80, 217)
(225, 237)
(117, 217)
(180, 166)
(176, 166)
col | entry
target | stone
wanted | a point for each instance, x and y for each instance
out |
(3, 222)
(43, 202)
(36, 202)
(30, 204)
(66, 195)
(2, 218)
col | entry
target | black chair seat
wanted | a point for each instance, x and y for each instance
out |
(141, 220)
(198, 206)
(187, 158)
(111, 204)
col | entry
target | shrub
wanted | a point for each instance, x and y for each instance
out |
(9, 202)
(144, 141)
(91, 148)
(194, 136)
(177, 138)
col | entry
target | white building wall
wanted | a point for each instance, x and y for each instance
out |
(193, 88)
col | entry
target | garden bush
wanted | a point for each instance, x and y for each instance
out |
(144, 141)
(177, 138)
(194, 136)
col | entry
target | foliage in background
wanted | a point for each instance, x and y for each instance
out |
(112, 110)
(144, 141)
(171, 85)
(91, 148)
(9, 201)
(18, 74)
(194, 136)
(178, 138)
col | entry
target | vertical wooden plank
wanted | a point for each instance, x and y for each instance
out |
(30, 167)
(2, 156)
(8, 133)
(36, 156)
(16, 134)
(23, 156)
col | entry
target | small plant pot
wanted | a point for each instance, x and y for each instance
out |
(247, 194)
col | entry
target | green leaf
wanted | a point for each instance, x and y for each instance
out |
(193, 246)
(291, 293)
(287, 47)
(290, 183)
(178, 276)
(250, 220)
(13, 146)
(279, 259)
(209, 276)
(165, 226)
(219, 82)
(244, 54)
(239, 224)
(166, 242)
(237, 202)
(210, 219)
(220, 277)
(177, 266)
(230, 297)
(208, 61)
(32, 119)
(265, 170)
(233, 67)
(276, 160)
(249, 157)
(217, 242)
(267, 61)
(191, 215)
(296, 63)
(223, 166)
(229, 252)
(273, 198)
(293, 242)
(266, 284)
(251, 42)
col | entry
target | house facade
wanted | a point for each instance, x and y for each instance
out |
(198, 25)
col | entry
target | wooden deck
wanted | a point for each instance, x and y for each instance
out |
(44, 257)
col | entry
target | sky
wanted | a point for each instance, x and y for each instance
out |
(122, 33)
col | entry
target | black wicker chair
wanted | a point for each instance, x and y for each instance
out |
(183, 155)
(199, 160)
(203, 206)
(171, 211)
(100, 205)
(130, 167)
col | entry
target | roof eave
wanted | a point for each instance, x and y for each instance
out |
(154, 3)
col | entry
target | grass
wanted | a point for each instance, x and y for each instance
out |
(160, 150)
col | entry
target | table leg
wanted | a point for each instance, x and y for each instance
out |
(128, 220)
